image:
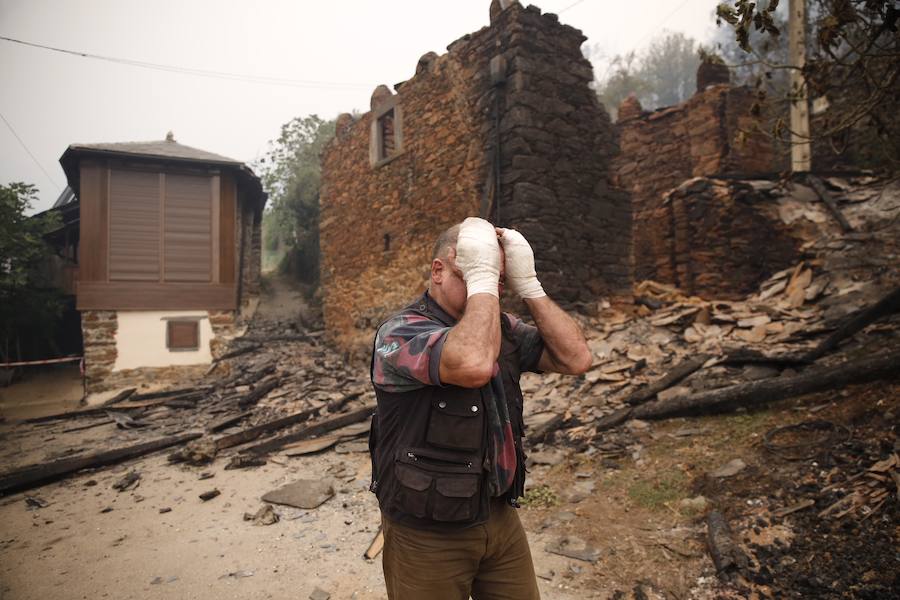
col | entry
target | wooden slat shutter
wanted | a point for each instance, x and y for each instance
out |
(188, 228)
(183, 335)
(133, 226)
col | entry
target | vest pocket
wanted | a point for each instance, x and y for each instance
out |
(456, 423)
(412, 493)
(437, 488)
(456, 498)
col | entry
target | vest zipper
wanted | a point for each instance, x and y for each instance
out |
(428, 459)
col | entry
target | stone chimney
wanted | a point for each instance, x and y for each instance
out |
(710, 73)
(630, 108)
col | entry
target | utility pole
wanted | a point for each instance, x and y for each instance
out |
(801, 152)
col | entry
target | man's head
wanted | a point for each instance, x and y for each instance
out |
(446, 285)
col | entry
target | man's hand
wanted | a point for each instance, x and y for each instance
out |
(520, 274)
(478, 257)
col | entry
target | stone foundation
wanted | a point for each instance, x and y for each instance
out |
(718, 239)
(99, 330)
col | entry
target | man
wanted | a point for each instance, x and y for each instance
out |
(448, 464)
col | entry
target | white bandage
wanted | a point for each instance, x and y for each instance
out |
(520, 274)
(478, 257)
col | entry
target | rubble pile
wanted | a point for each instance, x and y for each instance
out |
(769, 334)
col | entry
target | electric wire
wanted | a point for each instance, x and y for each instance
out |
(648, 34)
(244, 77)
(573, 5)
(25, 146)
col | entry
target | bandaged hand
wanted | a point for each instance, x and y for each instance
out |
(520, 274)
(478, 257)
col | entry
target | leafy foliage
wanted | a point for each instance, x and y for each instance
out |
(852, 61)
(29, 305)
(291, 174)
(664, 74)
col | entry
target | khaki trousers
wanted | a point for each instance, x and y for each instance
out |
(491, 561)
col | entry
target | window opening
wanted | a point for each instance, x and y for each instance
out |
(183, 335)
(386, 131)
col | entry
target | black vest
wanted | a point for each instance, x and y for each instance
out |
(430, 446)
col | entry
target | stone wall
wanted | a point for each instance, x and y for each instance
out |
(98, 331)
(249, 252)
(722, 238)
(380, 215)
(557, 143)
(712, 133)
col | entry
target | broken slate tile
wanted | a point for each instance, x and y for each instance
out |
(319, 594)
(33, 502)
(547, 457)
(574, 547)
(731, 469)
(264, 516)
(237, 574)
(303, 493)
(580, 491)
(130, 480)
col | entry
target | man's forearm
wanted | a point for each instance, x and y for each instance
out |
(566, 350)
(473, 344)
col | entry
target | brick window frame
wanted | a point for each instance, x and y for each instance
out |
(386, 132)
(183, 334)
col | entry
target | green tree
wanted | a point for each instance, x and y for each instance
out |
(664, 74)
(669, 67)
(623, 80)
(291, 173)
(29, 304)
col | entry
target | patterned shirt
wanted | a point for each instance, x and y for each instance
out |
(407, 357)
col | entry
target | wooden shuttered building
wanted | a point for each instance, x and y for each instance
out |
(159, 226)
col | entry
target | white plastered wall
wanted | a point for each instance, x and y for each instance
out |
(141, 340)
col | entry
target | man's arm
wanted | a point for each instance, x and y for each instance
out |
(565, 349)
(473, 344)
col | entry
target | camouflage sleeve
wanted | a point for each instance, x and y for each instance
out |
(408, 353)
(531, 344)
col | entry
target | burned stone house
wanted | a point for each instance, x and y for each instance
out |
(162, 243)
(506, 126)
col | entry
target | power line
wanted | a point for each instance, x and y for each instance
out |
(248, 78)
(40, 166)
(573, 5)
(648, 34)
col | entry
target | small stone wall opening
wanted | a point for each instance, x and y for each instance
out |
(387, 242)
(387, 144)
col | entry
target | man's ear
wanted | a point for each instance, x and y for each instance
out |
(437, 271)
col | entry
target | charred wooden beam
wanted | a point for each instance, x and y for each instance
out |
(725, 553)
(313, 430)
(227, 421)
(38, 474)
(254, 395)
(676, 374)
(819, 187)
(775, 388)
(251, 433)
(855, 322)
(238, 352)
